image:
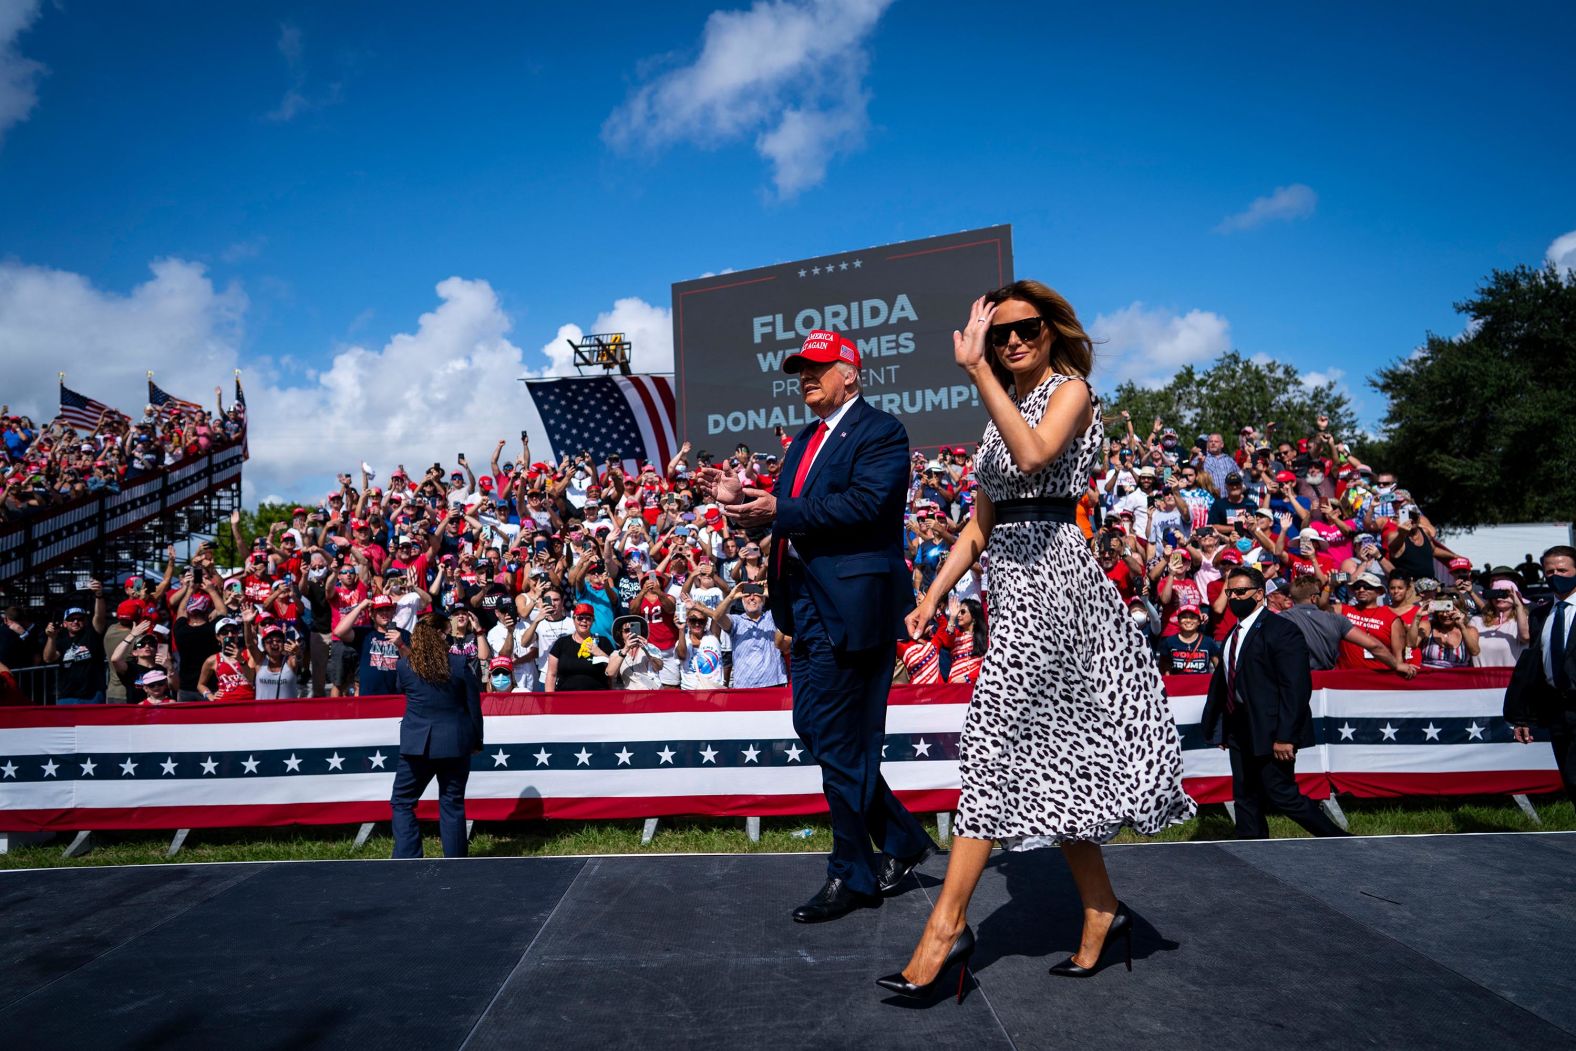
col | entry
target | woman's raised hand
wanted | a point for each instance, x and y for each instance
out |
(969, 345)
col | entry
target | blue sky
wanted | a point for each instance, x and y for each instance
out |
(383, 213)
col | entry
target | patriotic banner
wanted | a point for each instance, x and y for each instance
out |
(630, 417)
(648, 754)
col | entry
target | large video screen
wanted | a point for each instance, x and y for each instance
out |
(900, 303)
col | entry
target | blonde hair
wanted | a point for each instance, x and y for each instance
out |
(429, 649)
(1072, 351)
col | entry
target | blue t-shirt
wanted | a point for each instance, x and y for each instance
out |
(378, 658)
(1187, 658)
(601, 602)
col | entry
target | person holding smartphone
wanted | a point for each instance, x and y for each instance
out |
(1443, 636)
(1503, 625)
(636, 664)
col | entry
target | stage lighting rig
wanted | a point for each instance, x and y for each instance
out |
(602, 353)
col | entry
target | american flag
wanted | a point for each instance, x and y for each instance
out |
(169, 403)
(81, 411)
(240, 399)
(240, 395)
(630, 417)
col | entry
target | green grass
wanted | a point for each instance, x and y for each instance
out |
(726, 836)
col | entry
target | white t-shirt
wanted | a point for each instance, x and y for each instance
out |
(702, 666)
(547, 633)
(406, 608)
(525, 673)
(640, 673)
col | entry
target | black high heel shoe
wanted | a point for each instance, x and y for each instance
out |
(959, 954)
(1121, 923)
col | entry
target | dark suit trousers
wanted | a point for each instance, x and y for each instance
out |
(1260, 783)
(411, 777)
(1563, 735)
(839, 711)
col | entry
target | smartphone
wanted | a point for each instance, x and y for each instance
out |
(1441, 605)
(1499, 593)
(1342, 578)
(524, 437)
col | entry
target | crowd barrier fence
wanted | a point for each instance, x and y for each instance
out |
(622, 755)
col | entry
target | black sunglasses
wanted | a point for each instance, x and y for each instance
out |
(1028, 330)
(1240, 592)
(697, 623)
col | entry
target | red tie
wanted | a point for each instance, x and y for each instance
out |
(816, 435)
(1231, 671)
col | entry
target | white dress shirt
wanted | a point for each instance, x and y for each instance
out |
(826, 439)
(1569, 602)
(1241, 631)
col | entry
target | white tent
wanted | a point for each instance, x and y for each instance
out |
(1507, 544)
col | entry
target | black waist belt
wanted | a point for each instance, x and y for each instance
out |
(1037, 509)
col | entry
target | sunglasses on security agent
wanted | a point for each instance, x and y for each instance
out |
(1028, 330)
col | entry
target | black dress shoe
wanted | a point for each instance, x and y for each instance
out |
(892, 873)
(1121, 926)
(834, 900)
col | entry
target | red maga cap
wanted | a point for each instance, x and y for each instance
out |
(822, 347)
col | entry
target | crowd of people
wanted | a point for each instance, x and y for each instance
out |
(42, 467)
(582, 575)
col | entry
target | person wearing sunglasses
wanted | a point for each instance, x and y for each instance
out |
(1258, 710)
(1068, 682)
(578, 661)
(699, 652)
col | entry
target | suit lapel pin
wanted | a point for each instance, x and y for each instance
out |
(844, 434)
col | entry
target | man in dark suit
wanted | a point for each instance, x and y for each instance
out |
(441, 730)
(840, 587)
(1258, 709)
(1542, 689)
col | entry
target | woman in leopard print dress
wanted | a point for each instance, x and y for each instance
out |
(1068, 737)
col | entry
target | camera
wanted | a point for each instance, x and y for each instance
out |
(1498, 593)
(1441, 605)
(1342, 578)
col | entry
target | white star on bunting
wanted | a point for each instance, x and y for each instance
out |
(921, 747)
(708, 754)
(542, 757)
(335, 762)
(377, 760)
(249, 764)
(50, 767)
(666, 755)
(1430, 732)
(624, 755)
(8, 770)
(1475, 732)
(1388, 731)
(500, 758)
(128, 768)
(168, 766)
(794, 752)
(88, 767)
(582, 757)
(1347, 731)
(210, 766)
(751, 754)
(292, 765)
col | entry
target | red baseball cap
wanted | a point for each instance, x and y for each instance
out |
(583, 609)
(131, 609)
(382, 602)
(1285, 476)
(1188, 607)
(823, 347)
(1460, 563)
(1231, 555)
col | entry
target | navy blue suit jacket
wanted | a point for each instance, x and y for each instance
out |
(442, 720)
(1274, 686)
(847, 526)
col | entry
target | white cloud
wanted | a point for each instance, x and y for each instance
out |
(1147, 345)
(1319, 377)
(648, 329)
(177, 324)
(1287, 202)
(788, 72)
(297, 99)
(18, 74)
(1562, 253)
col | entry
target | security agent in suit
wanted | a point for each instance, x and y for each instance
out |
(1258, 709)
(840, 587)
(441, 730)
(1542, 687)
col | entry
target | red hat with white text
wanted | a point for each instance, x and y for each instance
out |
(823, 347)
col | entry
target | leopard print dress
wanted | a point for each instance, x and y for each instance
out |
(1069, 735)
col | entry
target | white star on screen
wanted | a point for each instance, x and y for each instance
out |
(1475, 732)
(843, 265)
(1388, 731)
(858, 263)
(8, 770)
(666, 755)
(335, 762)
(292, 765)
(500, 758)
(751, 754)
(794, 751)
(803, 271)
(815, 270)
(88, 767)
(168, 766)
(624, 755)
(582, 757)
(249, 764)
(1347, 731)
(377, 759)
(128, 768)
(921, 747)
(210, 766)
(708, 754)
(50, 767)
(1430, 732)
(542, 757)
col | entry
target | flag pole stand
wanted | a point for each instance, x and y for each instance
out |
(178, 841)
(1527, 808)
(648, 832)
(78, 846)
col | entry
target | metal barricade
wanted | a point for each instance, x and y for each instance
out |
(40, 683)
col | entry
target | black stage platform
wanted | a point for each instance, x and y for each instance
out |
(1451, 941)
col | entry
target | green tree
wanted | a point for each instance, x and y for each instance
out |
(253, 524)
(1480, 428)
(1233, 392)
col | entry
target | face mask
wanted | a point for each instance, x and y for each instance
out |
(501, 682)
(1241, 607)
(317, 574)
(1314, 478)
(1561, 586)
(1387, 487)
(1244, 545)
(1140, 616)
